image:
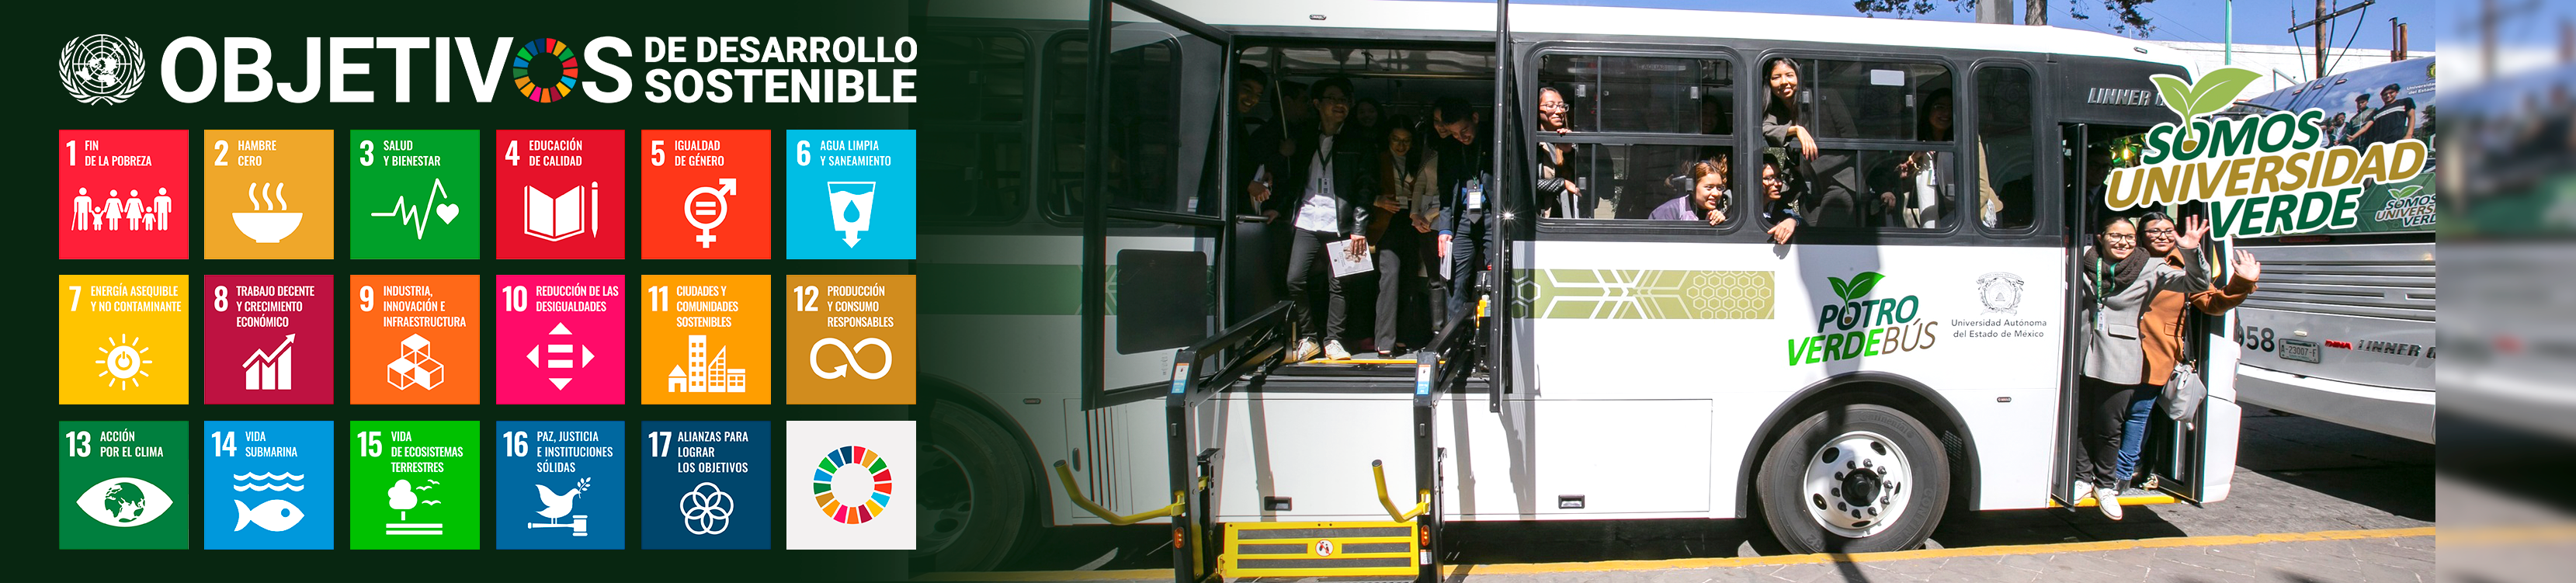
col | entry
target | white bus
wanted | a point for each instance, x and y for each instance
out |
(1102, 338)
(2343, 327)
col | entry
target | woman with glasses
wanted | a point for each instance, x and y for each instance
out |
(1557, 194)
(2161, 328)
(2112, 293)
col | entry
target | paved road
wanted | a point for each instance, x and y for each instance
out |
(2313, 502)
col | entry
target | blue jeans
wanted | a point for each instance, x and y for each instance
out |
(2133, 433)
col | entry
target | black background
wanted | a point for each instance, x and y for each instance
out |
(40, 108)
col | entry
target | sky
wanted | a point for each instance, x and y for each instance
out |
(2257, 21)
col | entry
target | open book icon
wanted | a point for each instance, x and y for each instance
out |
(852, 202)
(559, 217)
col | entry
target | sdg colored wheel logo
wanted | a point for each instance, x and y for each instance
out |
(546, 70)
(870, 485)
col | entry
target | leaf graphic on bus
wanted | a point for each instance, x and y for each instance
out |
(2215, 91)
(1858, 286)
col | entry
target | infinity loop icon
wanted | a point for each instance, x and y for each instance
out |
(850, 356)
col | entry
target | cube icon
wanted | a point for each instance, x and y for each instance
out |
(415, 368)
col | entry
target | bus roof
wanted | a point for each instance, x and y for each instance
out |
(1562, 19)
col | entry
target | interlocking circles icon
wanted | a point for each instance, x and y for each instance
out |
(813, 359)
(706, 509)
(101, 67)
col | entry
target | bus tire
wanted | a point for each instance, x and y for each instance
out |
(974, 493)
(1854, 478)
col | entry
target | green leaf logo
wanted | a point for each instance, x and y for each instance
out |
(2215, 92)
(1858, 287)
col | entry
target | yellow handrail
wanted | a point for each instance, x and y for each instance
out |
(1065, 475)
(1379, 467)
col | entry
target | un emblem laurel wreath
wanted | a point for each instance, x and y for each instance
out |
(79, 49)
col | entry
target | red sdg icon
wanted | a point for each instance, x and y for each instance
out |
(122, 194)
(561, 193)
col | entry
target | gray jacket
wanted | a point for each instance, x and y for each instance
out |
(2112, 351)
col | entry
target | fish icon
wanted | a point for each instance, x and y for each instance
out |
(274, 515)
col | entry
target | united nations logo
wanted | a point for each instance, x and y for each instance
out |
(102, 68)
(2000, 292)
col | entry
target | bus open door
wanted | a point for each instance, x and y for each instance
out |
(2180, 462)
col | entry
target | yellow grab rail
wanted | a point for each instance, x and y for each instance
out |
(1065, 475)
(1379, 467)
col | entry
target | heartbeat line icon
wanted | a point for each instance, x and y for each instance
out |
(417, 215)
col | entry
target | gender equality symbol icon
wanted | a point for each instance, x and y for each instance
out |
(706, 209)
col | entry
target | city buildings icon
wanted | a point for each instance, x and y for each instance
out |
(415, 368)
(706, 207)
(271, 370)
(704, 374)
(137, 214)
(560, 217)
(852, 202)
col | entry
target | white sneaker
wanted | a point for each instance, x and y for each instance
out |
(1305, 349)
(1333, 351)
(2082, 491)
(2109, 500)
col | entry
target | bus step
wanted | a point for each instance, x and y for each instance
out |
(2137, 499)
(1321, 549)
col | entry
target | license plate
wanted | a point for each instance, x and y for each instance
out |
(2300, 350)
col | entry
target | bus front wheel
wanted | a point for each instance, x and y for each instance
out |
(974, 493)
(1854, 478)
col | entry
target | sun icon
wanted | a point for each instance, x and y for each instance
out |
(124, 362)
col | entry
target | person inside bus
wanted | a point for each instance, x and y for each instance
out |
(1365, 114)
(1779, 217)
(1336, 184)
(2162, 329)
(1558, 195)
(2111, 294)
(1708, 200)
(1466, 165)
(2333, 128)
(1823, 184)
(1256, 141)
(1403, 231)
(1294, 109)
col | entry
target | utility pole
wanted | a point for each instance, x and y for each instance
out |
(2319, 25)
(2489, 16)
(2396, 40)
(1995, 12)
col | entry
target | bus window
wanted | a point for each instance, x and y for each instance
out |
(1886, 149)
(1609, 107)
(1141, 145)
(976, 157)
(2007, 146)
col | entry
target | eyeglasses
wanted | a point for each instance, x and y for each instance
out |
(2121, 237)
(2160, 233)
(1555, 107)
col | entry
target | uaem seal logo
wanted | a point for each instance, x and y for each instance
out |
(100, 67)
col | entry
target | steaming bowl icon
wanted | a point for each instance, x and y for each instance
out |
(267, 227)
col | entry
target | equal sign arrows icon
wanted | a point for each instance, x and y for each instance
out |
(558, 355)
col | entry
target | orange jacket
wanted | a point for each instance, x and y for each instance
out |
(2161, 328)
